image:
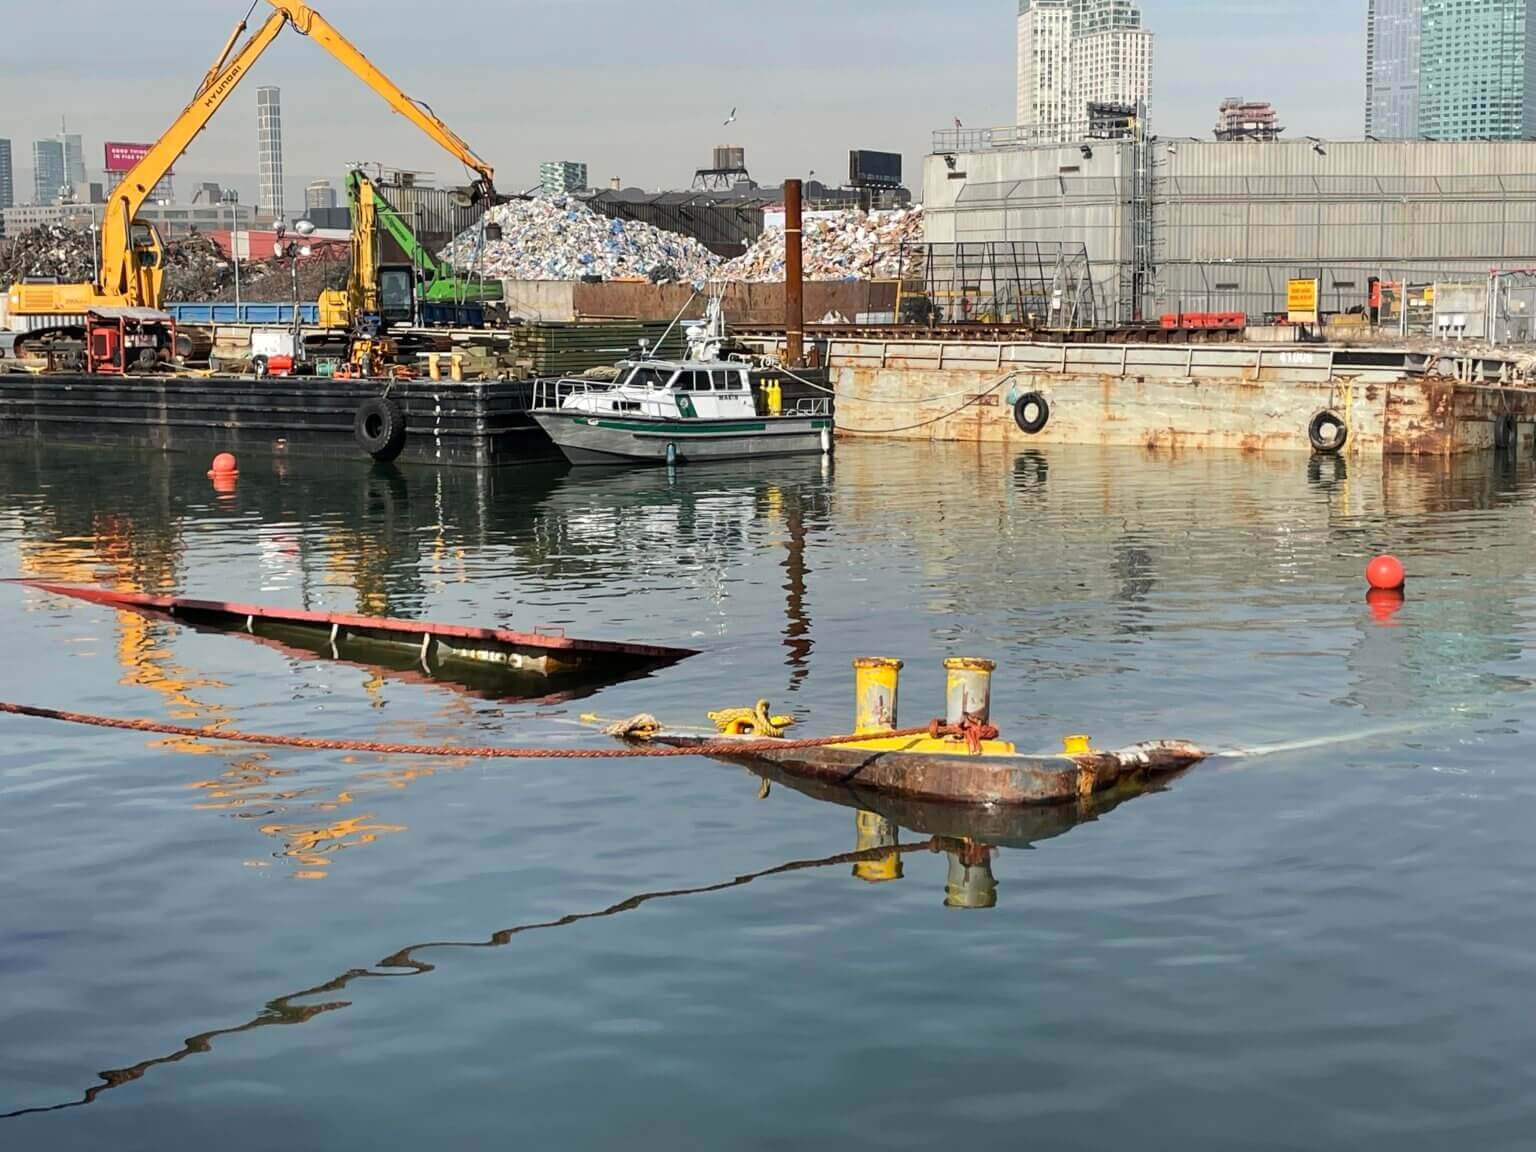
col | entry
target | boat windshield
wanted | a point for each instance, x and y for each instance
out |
(650, 378)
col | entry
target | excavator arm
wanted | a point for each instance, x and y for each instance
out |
(131, 266)
(310, 23)
(441, 281)
(131, 259)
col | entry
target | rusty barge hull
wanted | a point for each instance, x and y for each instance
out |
(1242, 397)
(491, 662)
(974, 781)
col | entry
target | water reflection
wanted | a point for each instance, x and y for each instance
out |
(877, 858)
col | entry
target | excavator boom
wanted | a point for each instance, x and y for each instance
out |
(132, 258)
(309, 22)
(441, 281)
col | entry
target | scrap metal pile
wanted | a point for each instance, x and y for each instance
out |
(562, 239)
(848, 245)
(48, 251)
(196, 269)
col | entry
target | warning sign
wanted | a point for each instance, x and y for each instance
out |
(1301, 300)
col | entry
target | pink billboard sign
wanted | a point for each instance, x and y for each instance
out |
(121, 158)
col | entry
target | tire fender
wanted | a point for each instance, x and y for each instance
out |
(380, 428)
(1326, 445)
(1032, 412)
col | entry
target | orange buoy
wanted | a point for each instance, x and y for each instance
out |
(224, 464)
(1385, 574)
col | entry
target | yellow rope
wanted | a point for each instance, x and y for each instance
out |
(751, 722)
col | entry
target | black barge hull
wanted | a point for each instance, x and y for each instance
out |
(474, 424)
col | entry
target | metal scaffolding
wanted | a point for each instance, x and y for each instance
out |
(999, 282)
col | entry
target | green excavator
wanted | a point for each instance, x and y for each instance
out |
(425, 292)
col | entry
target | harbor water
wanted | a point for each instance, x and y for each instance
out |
(1326, 942)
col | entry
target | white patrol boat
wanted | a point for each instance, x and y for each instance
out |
(674, 411)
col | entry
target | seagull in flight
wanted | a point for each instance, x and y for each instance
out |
(731, 119)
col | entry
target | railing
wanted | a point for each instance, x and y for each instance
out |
(552, 393)
(811, 406)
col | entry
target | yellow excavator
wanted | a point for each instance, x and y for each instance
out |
(129, 285)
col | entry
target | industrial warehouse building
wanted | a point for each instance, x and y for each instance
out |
(1190, 225)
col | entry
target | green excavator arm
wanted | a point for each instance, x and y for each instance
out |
(440, 282)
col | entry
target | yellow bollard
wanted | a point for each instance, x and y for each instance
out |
(1078, 745)
(876, 683)
(968, 689)
(456, 370)
(434, 366)
(875, 831)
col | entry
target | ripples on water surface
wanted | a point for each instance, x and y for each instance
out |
(1323, 947)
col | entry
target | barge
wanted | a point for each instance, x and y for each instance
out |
(1247, 396)
(476, 424)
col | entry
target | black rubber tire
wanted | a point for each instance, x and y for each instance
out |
(1321, 444)
(1042, 413)
(1506, 432)
(380, 428)
(259, 367)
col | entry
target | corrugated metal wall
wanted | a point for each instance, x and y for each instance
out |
(1233, 221)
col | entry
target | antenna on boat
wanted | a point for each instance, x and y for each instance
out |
(705, 339)
(675, 320)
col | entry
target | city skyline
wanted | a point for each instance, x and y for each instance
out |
(625, 115)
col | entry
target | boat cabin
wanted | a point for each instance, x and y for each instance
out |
(668, 390)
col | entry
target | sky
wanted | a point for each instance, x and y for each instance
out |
(637, 91)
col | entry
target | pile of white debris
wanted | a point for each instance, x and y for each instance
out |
(847, 245)
(559, 238)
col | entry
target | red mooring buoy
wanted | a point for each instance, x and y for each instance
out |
(1386, 574)
(224, 465)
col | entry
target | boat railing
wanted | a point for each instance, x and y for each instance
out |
(811, 406)
(553, 392)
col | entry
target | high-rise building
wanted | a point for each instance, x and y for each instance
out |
(319, 196)
(269, 140)
(74, 158)
(1073, 53)
(1392, 68)
(1475, 58)
(7, 176)
(1045, 66)
(1112, 64)
(49, 175)
(559, 177)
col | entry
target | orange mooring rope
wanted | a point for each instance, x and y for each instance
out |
(972, 731)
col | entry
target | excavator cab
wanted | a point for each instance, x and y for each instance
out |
(148, 267)
(397, 295)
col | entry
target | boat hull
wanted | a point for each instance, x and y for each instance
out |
(585, 438)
